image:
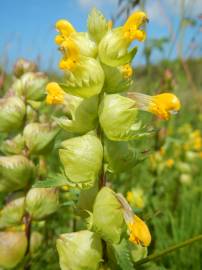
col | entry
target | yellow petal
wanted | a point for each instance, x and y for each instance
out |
(139, 232)
(65, 28)
(55, 94)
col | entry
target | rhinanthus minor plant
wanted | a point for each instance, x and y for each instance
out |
(28, 137)
(101, 120)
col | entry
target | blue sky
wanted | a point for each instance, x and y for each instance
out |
(27, 26)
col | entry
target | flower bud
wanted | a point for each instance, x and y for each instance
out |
(35, 242)
(12, 112)
(138, 252)
(109, 225)
(41, 202)
(12, 213)
(83, 118)
(39, 137)
(13, 246)
(31, 86)
(23, 66)
(117, 79)
(97, 25)
(81, 158)
(13, 146)
(85, 244)
(118, 118)
(16, 172)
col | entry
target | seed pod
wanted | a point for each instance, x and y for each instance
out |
(41, 202)
(85, 244)
(16, 172)
(12, 213)
(81, 158)
(13, 146)
(13, 246)
(31, 86)
(110, 224)
(39, 137)
(12, 112)
(23, 66)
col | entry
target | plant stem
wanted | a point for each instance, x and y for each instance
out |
(28, 224)
(168, 250)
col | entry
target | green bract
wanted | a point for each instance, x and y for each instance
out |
(118, 118)
(81, 158)
(12, 213)
(121, 156)
(13, 246)
(83, 118)
(79, 251)
(86, 80)
(86, 46)
(97, 25)
(31, 86)
(115, 81)
(35, 242)
(38, 137)
(41, 202)
(107, 216)
(16, 172)
(14, 145)
(12, 112)
(113, 49)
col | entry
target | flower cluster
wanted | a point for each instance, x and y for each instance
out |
(101, 121)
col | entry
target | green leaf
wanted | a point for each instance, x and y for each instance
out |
(123, 256)
(56, 182)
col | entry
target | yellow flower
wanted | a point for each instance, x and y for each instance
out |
(127, 71)
(139, 232)
(131, 27)
(130, 197)
(169, 163)
(136, 198)
(55, 94)
(137, 228)
(65, 188)
(162, 105)
(71, 55)
(200, 154)
(65, 29)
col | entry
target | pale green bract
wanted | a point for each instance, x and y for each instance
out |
(83, 118)
(115, 81)
(86, 46)
(12, 213)
(81, 158)
(13, 146)
(87, 79)
(79, 250)
(31, 86)
(107, 216)
(13, 246)
(16, 172)
(12, 113)
(39, 137)
(97, 25)
(41, 202)
(118, 118)
(113, 49)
